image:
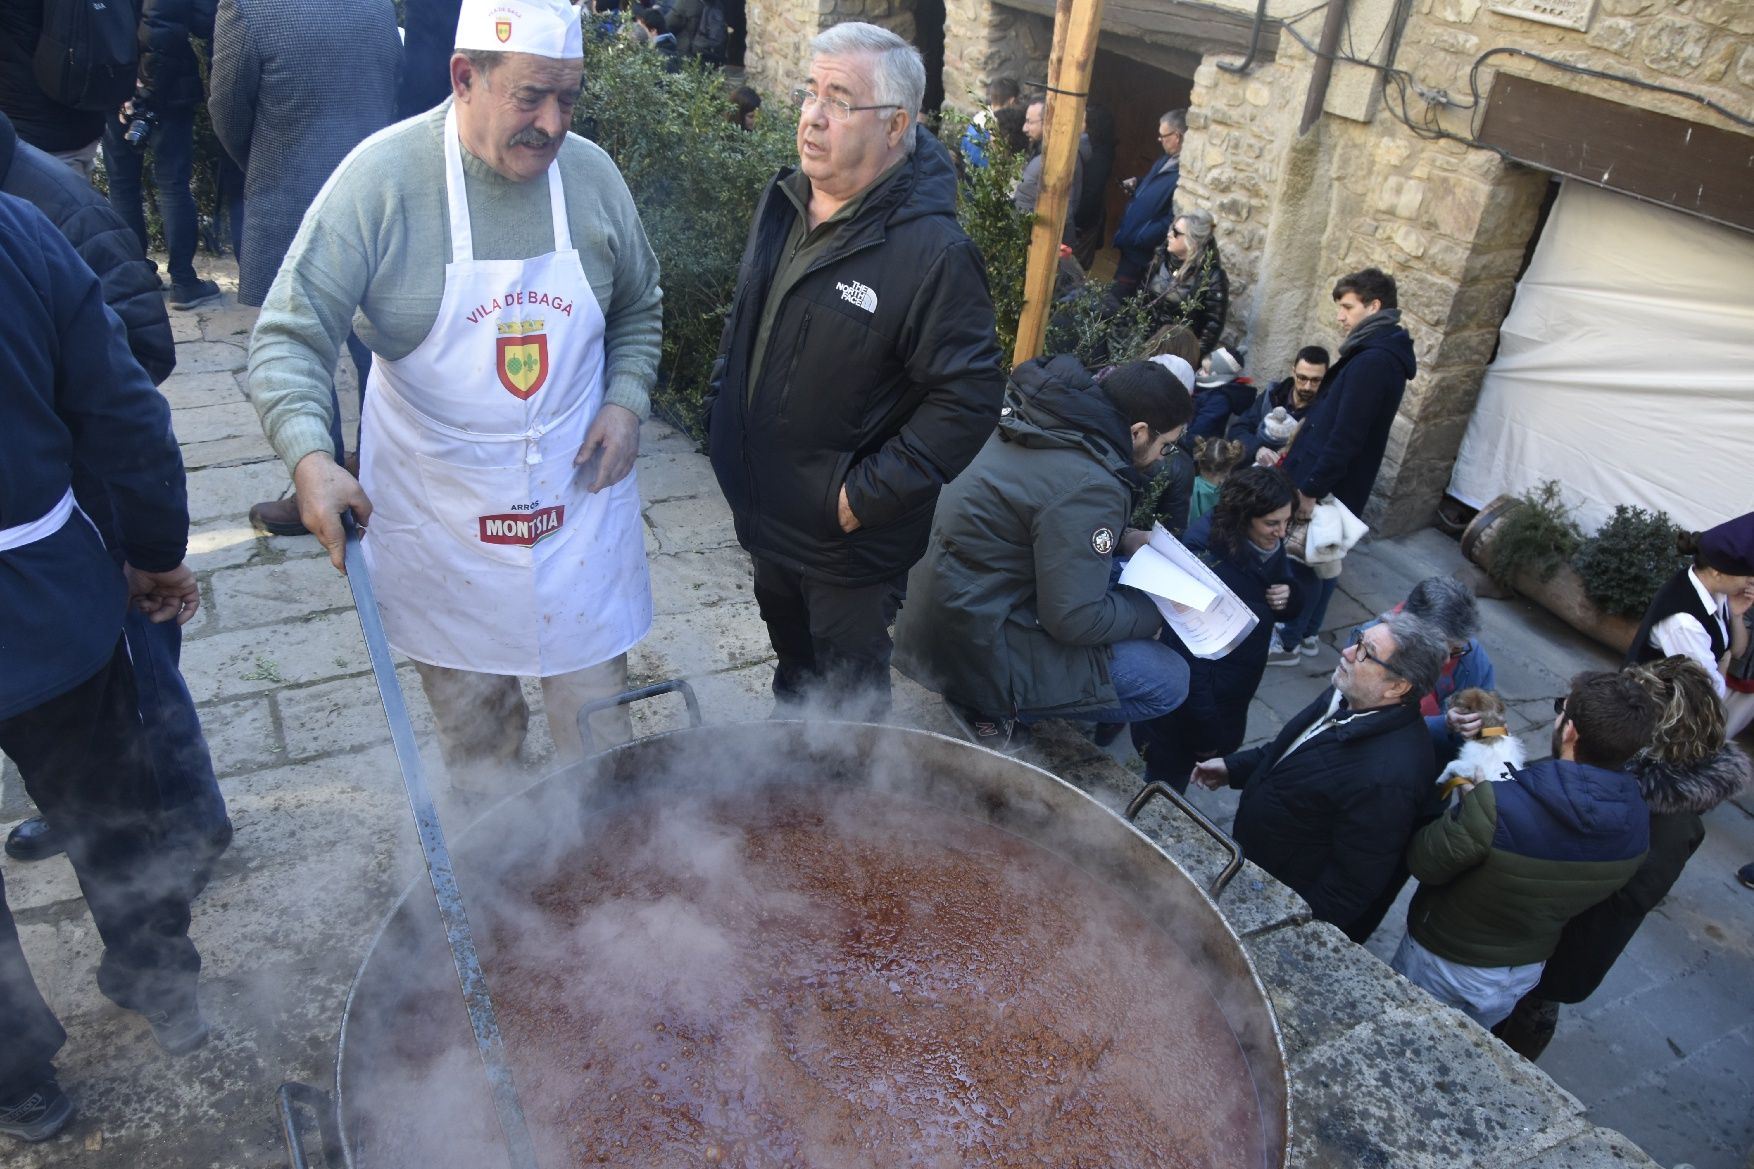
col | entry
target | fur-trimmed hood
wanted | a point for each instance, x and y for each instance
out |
(1697, 789)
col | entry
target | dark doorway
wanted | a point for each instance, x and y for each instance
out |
(1137, 94)
(929, 39)
(737, 38)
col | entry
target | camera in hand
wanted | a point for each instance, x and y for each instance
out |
(140, 128)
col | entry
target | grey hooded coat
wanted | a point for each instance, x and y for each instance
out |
(1012, 608)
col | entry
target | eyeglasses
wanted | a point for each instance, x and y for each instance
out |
(1362, 651)
(1177, 233)
(1301, 380)
(836, 109)
(1168, 136)
(1559, 706)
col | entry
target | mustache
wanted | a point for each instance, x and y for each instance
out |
(532, 137)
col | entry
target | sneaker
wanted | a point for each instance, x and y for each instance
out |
(43, 1112)
(1004, 735)
(1278, 655)
(1310, 646)
(279, 517)
(188, 296)
(1745, 874)
(180, 1031)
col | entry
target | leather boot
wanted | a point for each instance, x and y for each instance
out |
(278, 517)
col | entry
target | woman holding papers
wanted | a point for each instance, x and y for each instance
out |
(1243, 540)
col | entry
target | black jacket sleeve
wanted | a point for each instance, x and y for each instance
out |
(120, 424)
(950, 349)
(169, 72)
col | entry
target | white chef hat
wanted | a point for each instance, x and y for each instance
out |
(545, 28)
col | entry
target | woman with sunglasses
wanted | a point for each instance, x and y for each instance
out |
(1186, 281)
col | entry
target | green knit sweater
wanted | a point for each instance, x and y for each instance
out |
(377, 240)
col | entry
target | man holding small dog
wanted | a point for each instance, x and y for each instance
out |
(1503, 871)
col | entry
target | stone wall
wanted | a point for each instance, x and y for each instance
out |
(1451, 222)
(984, 41)
(778, 53)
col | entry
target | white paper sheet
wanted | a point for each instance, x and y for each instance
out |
(1213, 620)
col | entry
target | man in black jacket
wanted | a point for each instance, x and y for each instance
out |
(1340, 447)
(169, 90)
(1329, 805)
(197, 827)
(69, 135)
(69, 715)
(858, 372)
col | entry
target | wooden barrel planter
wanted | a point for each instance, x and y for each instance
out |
(1562, 594)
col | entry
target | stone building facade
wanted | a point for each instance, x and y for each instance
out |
(1372, 182)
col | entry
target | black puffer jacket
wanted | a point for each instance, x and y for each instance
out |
(38, 118)
(882, 373)
(103, 241)
(1678, 797)
(170, 74)
(1201, 297)
(1332, 819)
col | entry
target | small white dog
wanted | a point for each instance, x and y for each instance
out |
(1482, 760)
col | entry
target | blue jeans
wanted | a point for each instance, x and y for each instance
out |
(173, 149)
(1318, 592)
(1150, 680)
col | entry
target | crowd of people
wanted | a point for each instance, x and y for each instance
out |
(491, 276)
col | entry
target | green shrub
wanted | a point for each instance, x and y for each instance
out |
(1535, 538)
(695, 178)
(1626, 562)
(998, 229)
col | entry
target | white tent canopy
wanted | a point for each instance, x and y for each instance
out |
(1625, 368)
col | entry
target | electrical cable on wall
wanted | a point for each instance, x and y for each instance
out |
(1397, 82)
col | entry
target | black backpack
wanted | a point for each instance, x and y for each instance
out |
(88, 53)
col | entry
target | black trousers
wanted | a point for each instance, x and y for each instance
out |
(833, 641)
(84, 761)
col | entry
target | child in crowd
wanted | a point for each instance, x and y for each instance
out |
(1214, 460)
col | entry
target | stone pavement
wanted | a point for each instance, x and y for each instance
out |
(325, 845)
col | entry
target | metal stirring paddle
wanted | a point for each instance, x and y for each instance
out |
(438, 864)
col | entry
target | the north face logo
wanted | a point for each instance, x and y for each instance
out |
(859, 294)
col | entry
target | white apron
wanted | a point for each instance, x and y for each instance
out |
(487, 550)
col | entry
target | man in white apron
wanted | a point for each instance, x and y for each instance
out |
(504, 284)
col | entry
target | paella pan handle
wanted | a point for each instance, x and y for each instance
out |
(470, 977)
(1231, 867)
(674, 685)
(293, 1096)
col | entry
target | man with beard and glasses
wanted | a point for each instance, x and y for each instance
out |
(1271, 421)
(496, 267)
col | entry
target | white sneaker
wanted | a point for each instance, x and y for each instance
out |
(1309, 647)
(1278, 655)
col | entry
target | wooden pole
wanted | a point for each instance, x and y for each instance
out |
(1077, 24)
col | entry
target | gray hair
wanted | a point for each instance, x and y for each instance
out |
(1420, 652)
(484, 60)
(1176, 120)
(1199, 227)
(1448, 604)
(900, 78)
